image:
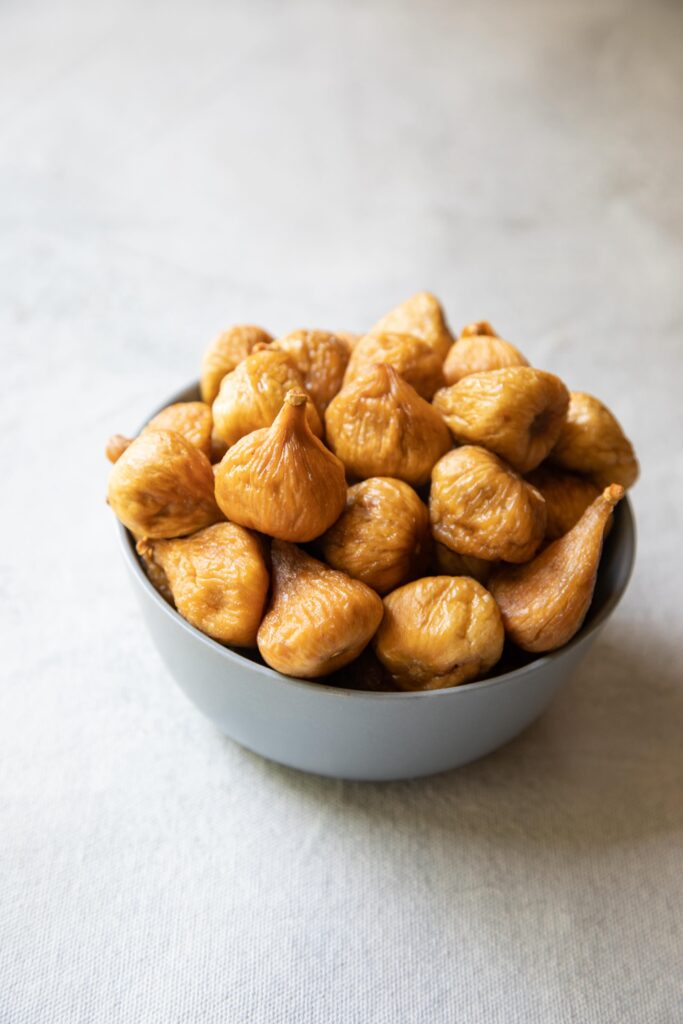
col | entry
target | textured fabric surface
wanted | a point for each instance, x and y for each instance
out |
(166, 170)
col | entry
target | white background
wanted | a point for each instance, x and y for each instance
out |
(165, 170)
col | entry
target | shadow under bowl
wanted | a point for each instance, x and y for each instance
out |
(359, 734)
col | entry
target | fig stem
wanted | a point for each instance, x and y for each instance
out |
(295, 398)
(613, 494)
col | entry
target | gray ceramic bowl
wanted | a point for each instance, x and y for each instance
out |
(356, 734)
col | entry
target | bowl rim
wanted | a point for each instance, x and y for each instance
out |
(127, 543)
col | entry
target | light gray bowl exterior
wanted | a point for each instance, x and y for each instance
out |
(354, 734)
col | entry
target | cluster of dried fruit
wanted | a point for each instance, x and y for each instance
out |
(449, 494)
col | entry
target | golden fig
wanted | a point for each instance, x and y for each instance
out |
(321, 359)
(439, 631)
(422, 316)
(592, 442)
(116, 446)
(251, 395)
(379, 426)
(282, 480)
(479, 506)
(218, 579)
(412, 358)
(225, 353)
(191, 419)
(478, 352)
(155, 573)
(162, 486)
(450, 563)
(544, 602)
(383, 536)
(516, 412)
(567, 496)
(318, 620)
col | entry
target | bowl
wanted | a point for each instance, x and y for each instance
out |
(364, 735)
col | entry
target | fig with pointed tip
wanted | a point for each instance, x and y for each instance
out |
(567, 496)
(318, 620)
(218, 579)
(439, 631)
(450, 563)
(321, 359)
(382, 537)
(379, 426)
(592, 442)
(162, 486)
(225, 353)
(544, 602)
(479, 506)
(412, 358)
(251, 396)
(516, 412)
(422, 316)
(479, 349)
(191, 419)
(282, 480)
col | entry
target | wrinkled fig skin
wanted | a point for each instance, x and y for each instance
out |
(412, 358)
(321, 360)
(155, 573)
(422, 316)
(225, 353)
(282, 480)
(516, 412)
(544, 602)
(218, 579)
(162, 486)
(439, 631)
(382, 537)
(478, 353)
(116, 446)
(379, 426)
(450, 563)
(567, 496)
(479, 506)
(592, 442)
(319, 619)
(252, 395)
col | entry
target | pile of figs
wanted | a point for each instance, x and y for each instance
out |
(396, 504)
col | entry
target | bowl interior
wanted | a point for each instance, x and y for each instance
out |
(615, 570)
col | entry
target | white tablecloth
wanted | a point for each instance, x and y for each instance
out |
(166, 170)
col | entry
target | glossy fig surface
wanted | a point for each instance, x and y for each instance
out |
(225, 353)
(422, 316)
(412, 358)
(318, 620)
(321, 358)
(439, 631)
(592, 442)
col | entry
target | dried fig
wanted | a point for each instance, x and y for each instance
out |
(592, 442)
(479, 506)
(218, 579)
(162, 486)
(422, 316)
(282, 480)
(321, 360)
(318, 620)
(544, 602)
(450, 563)
(382, 538)
(478, 351)
(516, 412)
(439, 631)
(116, 446)
(412, 358)
(225, 353)
(379, 426)
(191, 419)
(567, 496)
(251, 395)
